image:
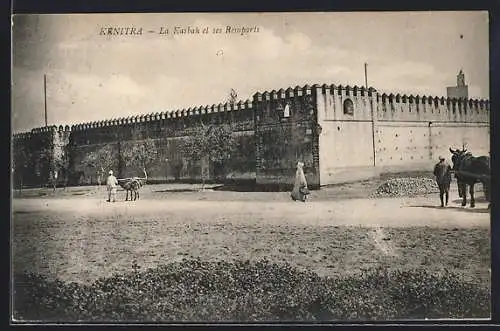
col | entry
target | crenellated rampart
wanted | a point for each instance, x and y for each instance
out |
(284, 133)
(340, 132)
(165, 128)
(426, 108)
(393, 132)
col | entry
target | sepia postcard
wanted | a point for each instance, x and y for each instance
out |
(250, 167)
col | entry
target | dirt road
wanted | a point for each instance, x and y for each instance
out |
(75, 235)
(387, 212)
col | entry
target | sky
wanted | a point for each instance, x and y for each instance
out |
(91, 76)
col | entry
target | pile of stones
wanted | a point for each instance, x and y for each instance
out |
(398, 187)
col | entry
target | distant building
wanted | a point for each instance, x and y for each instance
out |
(459, 91)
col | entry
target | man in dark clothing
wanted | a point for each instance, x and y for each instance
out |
(442, 172)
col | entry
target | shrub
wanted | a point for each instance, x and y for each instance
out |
(194, 290)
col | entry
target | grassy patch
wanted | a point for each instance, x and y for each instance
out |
(193, 290)
(83, 248)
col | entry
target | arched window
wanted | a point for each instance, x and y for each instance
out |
(348, 107)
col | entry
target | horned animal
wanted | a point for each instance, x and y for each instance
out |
(133, 185)
(470, 170)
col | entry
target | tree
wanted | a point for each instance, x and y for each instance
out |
(62, 164)
(101, 160)
(44, 159)
(214, 142)
(21, 161)
(142, 154)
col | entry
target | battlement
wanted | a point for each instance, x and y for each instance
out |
(307, 89)
(21, 136)
(283, 93)
(41, 131)
(166, 115)
(347, 90)
(431, 108)
(404, 98)
(356, 90)
(417, 99)
(368, 101)
(384, 102)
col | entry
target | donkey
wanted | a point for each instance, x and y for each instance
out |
(470, 170)
(133, 185)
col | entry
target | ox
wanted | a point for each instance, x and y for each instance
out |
(133, 185)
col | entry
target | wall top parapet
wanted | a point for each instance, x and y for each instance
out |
(429, 99)
(281, 93)
(163, 115)
(307, 89)
(21, 135)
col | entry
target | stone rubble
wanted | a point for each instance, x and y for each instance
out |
(398, 187)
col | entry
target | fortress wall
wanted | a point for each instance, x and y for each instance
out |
(167, 129)
(285, 133)
(377, 133)
(413, 131)
(406, 133)
(345, 142)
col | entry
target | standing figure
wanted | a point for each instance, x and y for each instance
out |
(300, 190)
(111, 184)
(54, 180)
(442, 172)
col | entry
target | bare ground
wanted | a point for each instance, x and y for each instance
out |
(75, 235)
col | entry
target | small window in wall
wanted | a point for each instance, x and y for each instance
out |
(348, 107)
(286, 112)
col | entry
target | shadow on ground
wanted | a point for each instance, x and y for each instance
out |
(463, 209)
(177, 190)
(478, 199)
(231, 188)
(250, 188)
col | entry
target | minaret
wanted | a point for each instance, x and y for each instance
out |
(460, 79)
(459, 91)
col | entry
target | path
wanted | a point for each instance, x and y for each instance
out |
(393, 212)
(84, 238)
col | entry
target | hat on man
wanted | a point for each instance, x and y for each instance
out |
(441, 158)
(111, 172)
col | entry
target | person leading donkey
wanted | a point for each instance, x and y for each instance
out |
(111, 184)
(442, 172)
